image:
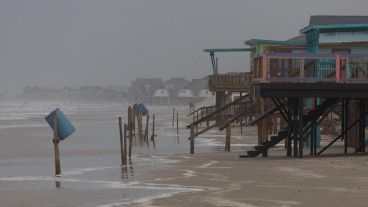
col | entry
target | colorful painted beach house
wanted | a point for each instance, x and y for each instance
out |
(296, 83)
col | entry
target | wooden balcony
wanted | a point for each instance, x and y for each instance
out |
(311, 68)
(237, 82)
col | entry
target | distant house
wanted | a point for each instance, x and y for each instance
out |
(185, 95)
(142, 90)
(200, 89)
(161, 96)
(175, 91)
(174, 85)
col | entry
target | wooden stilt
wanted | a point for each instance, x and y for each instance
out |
(121, 141)
(192, 139)
(146, 130)
(140, 126)
(173, 117)
(228, 137)
(300, 127)
(177, 122)
(153, 128)
(125, 145)
(56, 145)
(130, 128)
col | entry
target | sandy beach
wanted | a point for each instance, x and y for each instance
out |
(223, 179)
(165, 174)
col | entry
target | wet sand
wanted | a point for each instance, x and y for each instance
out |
(166, 175)
(223, 179)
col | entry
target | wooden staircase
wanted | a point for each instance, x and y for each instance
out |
(262, 149)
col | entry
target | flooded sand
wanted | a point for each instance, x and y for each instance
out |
(90, 158)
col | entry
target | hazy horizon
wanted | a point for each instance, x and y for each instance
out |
(90, 42)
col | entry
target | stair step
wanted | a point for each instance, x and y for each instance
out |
(274, 139)
(253, 153)
(283, 133)
(259, 147)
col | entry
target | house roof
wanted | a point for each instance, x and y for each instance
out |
(337, 19)
(144, 87)
(299, 38)
(335, 22)
(174, 85)
(276, 42)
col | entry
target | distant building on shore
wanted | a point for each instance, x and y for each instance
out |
(175, 91)
(84, 93)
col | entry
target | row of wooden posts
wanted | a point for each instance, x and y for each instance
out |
(135, 117)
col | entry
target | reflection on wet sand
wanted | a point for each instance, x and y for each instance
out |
(127, 170)
(57, 184)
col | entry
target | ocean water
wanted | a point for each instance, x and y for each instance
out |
(90, 158)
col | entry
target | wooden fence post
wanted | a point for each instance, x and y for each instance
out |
(56, 145)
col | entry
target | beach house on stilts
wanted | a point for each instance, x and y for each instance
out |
(303, 80)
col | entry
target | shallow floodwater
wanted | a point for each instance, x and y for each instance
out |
(90, 158)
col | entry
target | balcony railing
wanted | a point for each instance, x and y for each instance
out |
(293, 67)
(239, 82)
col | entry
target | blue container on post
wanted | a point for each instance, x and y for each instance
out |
(143, 109)
(64, 127)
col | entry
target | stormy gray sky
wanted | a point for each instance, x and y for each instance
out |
(112, 42)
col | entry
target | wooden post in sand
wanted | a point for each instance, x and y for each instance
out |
(173, 116)
(177, 122)
(241, 126)
(228, 136)
(146, 130)
(133, 117)
(125, 145)
(192, 137)
(153, 128)
(130, 129)
(140, 126)
(56, 145)
(121, 140)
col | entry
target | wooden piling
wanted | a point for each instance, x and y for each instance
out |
(241, 126)
(146, 130)
(228, 136)
(173, 117)
(56, 145)
(177, 122)
(140, 126)
(192, 139)
(121, 141)
(153, 128)
(125, 145)
(130, 129)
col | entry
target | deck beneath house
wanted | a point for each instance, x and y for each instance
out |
(305, 89)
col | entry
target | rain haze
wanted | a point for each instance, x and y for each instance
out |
(134, 116)
(87, 42)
